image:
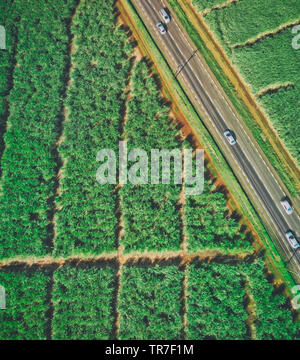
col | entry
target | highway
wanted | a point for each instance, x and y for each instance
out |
(250, 166)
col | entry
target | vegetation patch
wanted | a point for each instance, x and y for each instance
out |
(245, 19)
(210, 226)
(86, 218)
(150, 312)
(261, 69)
(207, 4)
(83, 302)
(26, 316)
(273, 319)
(151, 214)
(215, 303)
(29, 161)
(88, 288)
(241, 22)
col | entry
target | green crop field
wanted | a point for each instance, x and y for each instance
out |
(151, 216)
(207, 4)
(27, 304)
(207, 225)
(86, 217)
(80, 260)
(216, 302)
(222, 298)
(268, 63)
(153, 311)
(80, 302)
(29, 161)
(246, 19)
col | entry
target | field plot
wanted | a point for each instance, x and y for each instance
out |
(273, 318)
(258, 39)
(236, 301)
(27, 304)
(150, 303)
(215, 304)
(29, 160)
(207, 4)
(83, 303)
(243, 20)
(86, 219)
(151, 216)
(207, 225)
(221, 299)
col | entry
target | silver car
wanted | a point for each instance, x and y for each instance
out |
(292, 239)
(161, 28)
(287, 206)
(230, 137)
(165, 16)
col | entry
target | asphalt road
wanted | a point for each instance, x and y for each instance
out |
(245, 158)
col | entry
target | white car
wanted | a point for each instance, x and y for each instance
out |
(292, 240)
(287, 206)
(161, 28)
(165, 16)
(230, 137)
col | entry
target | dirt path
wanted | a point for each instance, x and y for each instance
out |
(265, 34)
(150, 257)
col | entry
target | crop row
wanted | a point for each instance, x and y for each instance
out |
(86, 219)
(261, 69)
(245, 19)
(9, 20)
(29, 160)
(81, 303)
(80, 216)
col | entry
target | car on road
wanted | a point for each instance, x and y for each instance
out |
(230, 137)
(163, 13)
(292, 239)
(161, 28)
(287, 206)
